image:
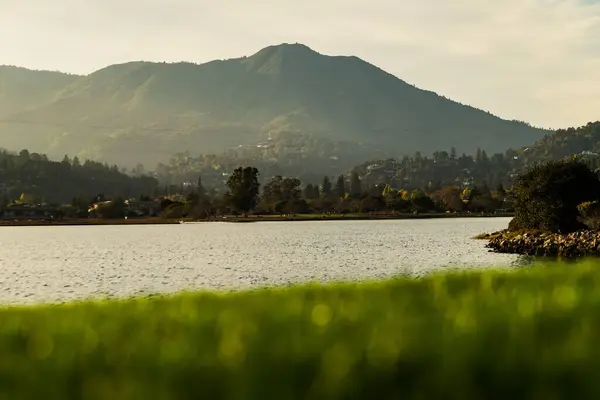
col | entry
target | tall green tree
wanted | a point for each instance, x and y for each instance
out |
(326, 190)
(243, 189)
(355, 185)
(280, 191)
(200, 189)
(547, 196)
(340, 187)
(76, 163)
(309, 192)
(66, 161)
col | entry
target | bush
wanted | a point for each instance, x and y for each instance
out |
(589, 214)
(175, 210)
(114, 209)
(546, 197)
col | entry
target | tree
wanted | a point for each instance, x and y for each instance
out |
(421, 202)
(308, 191)
(590, 214)
(450, 198)
(76, 163)
(24, 155)
(372, 204)
(296, 206)
(243, 189)
(271, 195)
(290, 189)
(326, 190)
(340, 187)
(311, 192)
(547, 196)
(355, 185)
(478, 156)
(200, 187)
(316, 193)
(66, 161)
(112, 209)
(197, 205)
(453, 153)
(467, 195)
(500, 190)
(138, 170)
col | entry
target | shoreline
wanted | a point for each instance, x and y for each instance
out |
(253, 218)
(583, 243)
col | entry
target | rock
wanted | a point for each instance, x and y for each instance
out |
(570, 245)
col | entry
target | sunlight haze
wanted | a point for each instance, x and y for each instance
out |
(532, 60)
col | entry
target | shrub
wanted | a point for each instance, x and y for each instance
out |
(589, 214)
(546, 197)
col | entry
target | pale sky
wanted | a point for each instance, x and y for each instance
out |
(532, 60)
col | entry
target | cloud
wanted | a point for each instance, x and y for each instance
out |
(535, 60)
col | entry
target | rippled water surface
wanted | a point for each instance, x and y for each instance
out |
(41, 264)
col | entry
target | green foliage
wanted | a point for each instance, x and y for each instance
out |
(243, 189)
(175, 210)
(589, 214)
(355, 185)
(546, 198)
(482, 335)
(326, 188)
(340, 187)
(282, 194)
(450, 197)
(112, 210)
(60, 182)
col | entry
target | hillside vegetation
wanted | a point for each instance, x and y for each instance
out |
(481, 335)
(145, 112)
(32, 174)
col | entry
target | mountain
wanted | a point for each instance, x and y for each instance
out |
(144, 112)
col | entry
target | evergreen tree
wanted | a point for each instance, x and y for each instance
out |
(453, 153)
(355, 185)
(200, 189)
(326, 190)
(66, 161)
(340, 187)
(76, 163)
(309, 192)
(316, 193)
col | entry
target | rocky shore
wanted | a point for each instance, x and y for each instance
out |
(572, 245)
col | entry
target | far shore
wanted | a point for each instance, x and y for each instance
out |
(250, 218)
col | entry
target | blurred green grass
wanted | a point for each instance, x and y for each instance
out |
(531, 333)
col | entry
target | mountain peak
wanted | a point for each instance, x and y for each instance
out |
(297, 49)
(273, 59)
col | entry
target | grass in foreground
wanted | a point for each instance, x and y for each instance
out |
(504, 335)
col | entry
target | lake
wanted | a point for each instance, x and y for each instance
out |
(60, 263)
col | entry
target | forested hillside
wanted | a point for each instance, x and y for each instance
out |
(42, 180)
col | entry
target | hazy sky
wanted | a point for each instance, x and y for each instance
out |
(534, 60)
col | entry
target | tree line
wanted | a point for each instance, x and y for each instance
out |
(342, 195)
(57, 182)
